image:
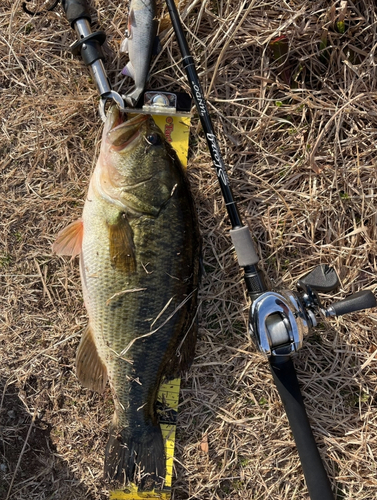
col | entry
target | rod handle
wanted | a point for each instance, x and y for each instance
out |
(285, 378)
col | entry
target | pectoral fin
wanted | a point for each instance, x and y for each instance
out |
(90, 369)
(122, 248)
(124, 46)
(69, 239)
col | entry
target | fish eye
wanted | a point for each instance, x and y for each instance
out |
(154, 139)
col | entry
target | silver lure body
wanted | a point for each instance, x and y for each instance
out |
(142, 30)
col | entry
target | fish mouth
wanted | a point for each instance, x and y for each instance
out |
(121, 134)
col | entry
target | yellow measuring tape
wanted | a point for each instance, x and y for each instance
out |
(177, 132)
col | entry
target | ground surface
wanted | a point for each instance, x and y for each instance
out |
(297, 124)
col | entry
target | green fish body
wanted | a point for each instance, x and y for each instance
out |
(138, 243)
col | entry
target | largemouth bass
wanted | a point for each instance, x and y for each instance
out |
(141, 37)
(139, 245)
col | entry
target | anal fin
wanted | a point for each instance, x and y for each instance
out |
(90, 369)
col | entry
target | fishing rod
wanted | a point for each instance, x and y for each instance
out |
(278, 321)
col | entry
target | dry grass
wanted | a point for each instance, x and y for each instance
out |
(299, 136)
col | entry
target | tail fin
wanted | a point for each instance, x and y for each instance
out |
(133, 98)
(137, 458)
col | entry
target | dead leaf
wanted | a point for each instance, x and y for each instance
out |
(204, 444)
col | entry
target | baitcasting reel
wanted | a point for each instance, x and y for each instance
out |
(279, 321)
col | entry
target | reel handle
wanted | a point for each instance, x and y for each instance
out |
(355, 302)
